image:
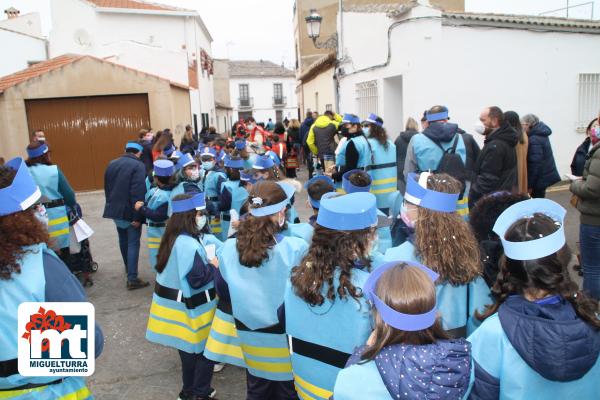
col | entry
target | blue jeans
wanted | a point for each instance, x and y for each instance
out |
(196, 373)
(589, 243)
(129, 244)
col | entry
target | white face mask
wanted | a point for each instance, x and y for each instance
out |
(208, 165)
(201, 222)
(194, 174)
(479, 128)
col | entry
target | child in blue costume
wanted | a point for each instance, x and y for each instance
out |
(233, 192)
(254, 269)
(184, 299)
(541, 338)
(325, 314)
(31, 272)
(212, 181)
(156, 207)
(444, 241)
(188, 177)
(408, 355)
(316, 188)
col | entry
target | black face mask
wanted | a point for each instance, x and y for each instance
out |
(344, 131)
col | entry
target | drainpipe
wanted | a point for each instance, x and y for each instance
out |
(339, 56)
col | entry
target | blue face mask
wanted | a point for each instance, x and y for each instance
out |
(365, 130)
(208, 165)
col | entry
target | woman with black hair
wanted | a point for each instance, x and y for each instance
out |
(541, 337)
(584, 148)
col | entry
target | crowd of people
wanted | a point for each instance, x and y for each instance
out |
(429, 268)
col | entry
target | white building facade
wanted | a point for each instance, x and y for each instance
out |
(412, 58)
(263, 90)
(161, 40)
(22, 42)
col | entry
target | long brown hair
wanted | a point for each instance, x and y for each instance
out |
(445, 241)
(178, 224)
(548, 274)
(330, 249)
(162, 141)
(378, 133)
(43, 159)
(408, 290)
(17, 231)
(256, 235)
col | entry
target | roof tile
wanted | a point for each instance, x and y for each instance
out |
(258, 68)
(133, 4)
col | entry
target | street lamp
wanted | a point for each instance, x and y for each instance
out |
(313, 27)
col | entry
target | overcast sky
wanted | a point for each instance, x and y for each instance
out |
(254, 29)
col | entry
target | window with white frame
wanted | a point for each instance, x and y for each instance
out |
(589, 99)
(366, 98)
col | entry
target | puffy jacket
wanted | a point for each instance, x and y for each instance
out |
(321, 137)
(588, 189)
(305, 128)
(401, 143)
(580, 156)
(496, 166)
(541, 169)
(124, 184)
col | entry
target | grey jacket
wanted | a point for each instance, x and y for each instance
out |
(588, 189)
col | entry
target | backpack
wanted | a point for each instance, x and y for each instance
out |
(452, 164)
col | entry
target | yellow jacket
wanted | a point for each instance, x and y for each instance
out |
(321, 122)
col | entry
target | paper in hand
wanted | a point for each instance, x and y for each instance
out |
(211, 251)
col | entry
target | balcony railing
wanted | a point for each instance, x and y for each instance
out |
(247, 102)
(279, 101)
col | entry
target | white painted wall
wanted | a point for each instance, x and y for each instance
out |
(18, 50)
(468, 69)
(30, 24)
(323, 85)
(261, 90)
(223, 120)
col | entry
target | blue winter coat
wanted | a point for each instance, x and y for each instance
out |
(124, 184)
(541, 168)
(580, 156)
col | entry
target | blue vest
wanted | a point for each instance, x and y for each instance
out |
(384, 236)
(363, 381)
(239, 195)
(364, 152)
(46, 177)
(256, 294)
(210, 183)
(155, 198)
(250, 161)
(179, 189)
(291, 214)
(383, 173)
(517, 379)
(170, 322)
(428, 156)
(457, 304)
(302, 230)
(26, 286)
(339, 325)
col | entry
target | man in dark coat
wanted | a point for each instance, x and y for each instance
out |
(496, 166)
(124, 185)
(541, 168)
(304, 129)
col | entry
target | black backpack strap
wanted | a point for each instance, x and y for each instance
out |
(450, 150)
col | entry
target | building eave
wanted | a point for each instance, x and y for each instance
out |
(317, 67)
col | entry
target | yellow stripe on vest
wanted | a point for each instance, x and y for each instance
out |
(153, 246)
(59, 232)
(81, 394)
(309, 387)
(303, 395)
(271, 352)
(384, 181)
(269, 366)
(225, 349)
(224, 327)
(182, 317)
(177, 331)
(381, 191)
(9, 394)
(464, 200)
(462, 211)
(154, 239)
(58, 221)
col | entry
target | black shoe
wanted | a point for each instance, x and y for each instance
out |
(185, 396)
(211, 396)
(137, 283)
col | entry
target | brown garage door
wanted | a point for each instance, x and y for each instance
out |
(85, 133)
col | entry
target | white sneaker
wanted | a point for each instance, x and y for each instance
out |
(218, 367)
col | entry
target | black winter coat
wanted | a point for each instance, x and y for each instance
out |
(124, 185)
(580, 156)
(401, 143)
(496, 167)
(541, 168)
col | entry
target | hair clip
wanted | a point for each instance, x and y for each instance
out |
(257, 201)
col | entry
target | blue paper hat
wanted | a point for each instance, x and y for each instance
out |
(263, 162)
(231, 162)
(22, 193)
(185, 160)
(163, 168)
(220, 155)
(134, 145)
(531, 249)
(176, 155)
(404, 322)
(349, 187)
(37, 152)
(209, 151)
(196, 202)
(274, 157)
(348, 213)
(273, 208)
(427, 198)
(168, 150)
(350, 119)
(240, 144)
(247, 177)
(316, 203)
(372, 119)
(437, 116)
